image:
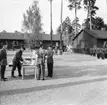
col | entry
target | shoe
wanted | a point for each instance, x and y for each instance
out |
(3, 79)
(50, 76)
(13, 76)
(43, 79)
(20, 76)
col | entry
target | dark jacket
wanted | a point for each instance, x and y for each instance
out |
(49, 56)
(18, 57)
(3, 57)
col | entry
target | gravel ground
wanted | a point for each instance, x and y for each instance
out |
(77, 80)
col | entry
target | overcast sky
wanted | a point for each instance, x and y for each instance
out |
(11, 13)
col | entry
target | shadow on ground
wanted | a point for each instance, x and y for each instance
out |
(47, 87)
(70, 72)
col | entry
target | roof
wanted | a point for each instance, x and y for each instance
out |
(98, 34)
(11, 36)
(21, 36)
(47, 37)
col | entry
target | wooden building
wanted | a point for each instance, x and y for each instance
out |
(17, 39)
(90, 39)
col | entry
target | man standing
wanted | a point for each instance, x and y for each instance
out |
(50, 61)
(3, 61)
(17, 62)
(41, 63)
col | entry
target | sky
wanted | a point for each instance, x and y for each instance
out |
(11, 13)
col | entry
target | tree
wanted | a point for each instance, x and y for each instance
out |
(97, 23)
(66, 30)
(32, 24)
(89, 5)
(76, 24)
(75, 4)
(51, 31)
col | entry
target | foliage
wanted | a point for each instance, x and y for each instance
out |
(74, 4)
(66, 26)
(32, 23)
(97, 23)
(76, 23)
(90, 4)
(66, 29)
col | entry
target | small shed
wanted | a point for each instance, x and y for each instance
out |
(90, 38)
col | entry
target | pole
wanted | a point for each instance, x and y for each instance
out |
(75, 18)
(90, 15)
(51, 20)
(61, 28)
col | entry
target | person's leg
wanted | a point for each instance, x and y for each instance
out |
(43, 71)
(19, 69)
(51, 69)
(48, 68)
(2, 71)
(38, 73)
(49, 65)
(13, 69)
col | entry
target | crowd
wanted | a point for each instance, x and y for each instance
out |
(40, 58)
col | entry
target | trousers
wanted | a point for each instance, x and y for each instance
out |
(3, 68)
(50, 69)
(18, 65)
(40, 71)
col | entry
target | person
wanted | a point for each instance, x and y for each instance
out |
(41, 63)
(56, 50)
(3, 61)
(17, 62)
(50, 61)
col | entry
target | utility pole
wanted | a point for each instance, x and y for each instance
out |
(51, 20)
(61, 27)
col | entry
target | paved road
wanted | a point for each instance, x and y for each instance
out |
(78, 80)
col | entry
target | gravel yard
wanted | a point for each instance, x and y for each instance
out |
(78, 80)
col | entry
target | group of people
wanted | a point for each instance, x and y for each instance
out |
(41, 56)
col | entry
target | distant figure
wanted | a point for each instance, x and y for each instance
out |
(41, 63)
(17, 62)
(3, 61)
(56, 50)
(50, 61)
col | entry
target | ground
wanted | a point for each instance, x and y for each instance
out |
(78, 80)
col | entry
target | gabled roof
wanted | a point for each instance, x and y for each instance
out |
(21, 36)
(98, 34)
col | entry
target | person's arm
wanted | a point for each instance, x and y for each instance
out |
(1, 55)
(19, 56)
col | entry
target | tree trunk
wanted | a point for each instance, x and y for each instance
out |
(76, 22)
(90, 15)
(61, 27)
(51, 20)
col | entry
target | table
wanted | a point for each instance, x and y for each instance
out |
(24, 66)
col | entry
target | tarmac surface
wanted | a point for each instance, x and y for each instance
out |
(77, 80)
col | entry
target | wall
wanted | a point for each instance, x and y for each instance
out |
(84, 40)
(101, 42)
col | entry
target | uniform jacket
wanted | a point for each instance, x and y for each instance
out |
(41, 56)
(18, 57)
(3, 57)
(49, 56)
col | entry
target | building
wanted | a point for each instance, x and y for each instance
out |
(17, 39)
(90, 38)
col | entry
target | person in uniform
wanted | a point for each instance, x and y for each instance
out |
(50, 61)
(17, 62)
(41, 63)
(3, 61)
